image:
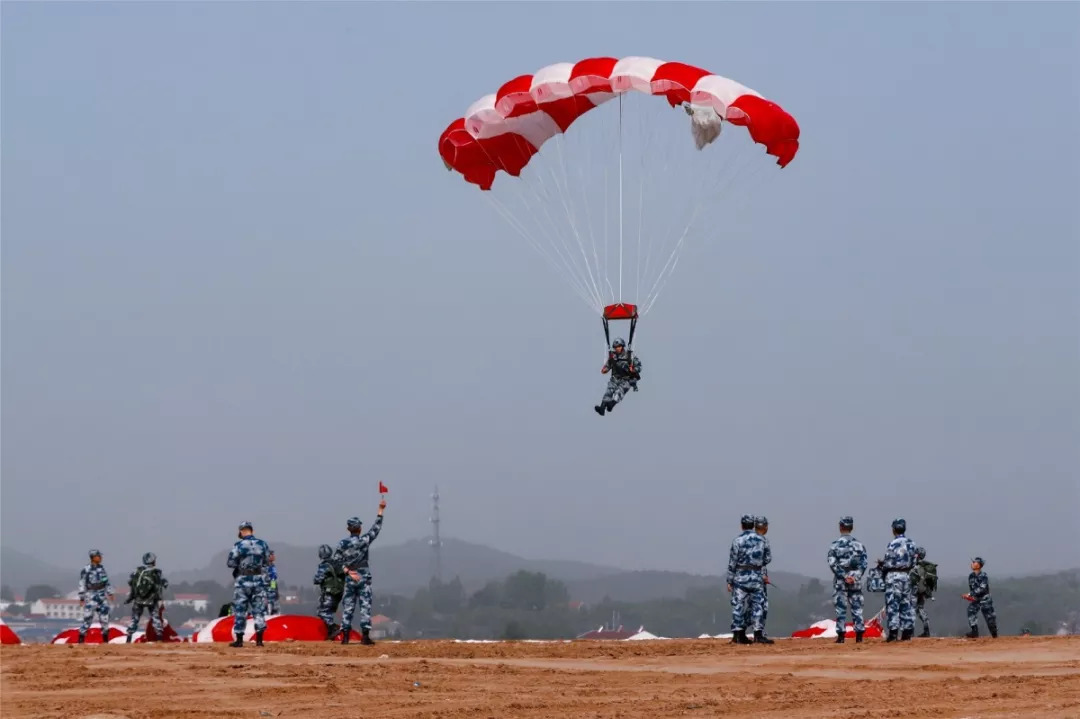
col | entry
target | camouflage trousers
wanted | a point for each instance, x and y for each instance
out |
(986, 605)
(617, 389)
(899, 609)
(357, 592)
(155, 618)
(249, 595)
(328, 604)
(96, 603)
(748, 620)
(747, 606)
(920, 610)
(843, 598)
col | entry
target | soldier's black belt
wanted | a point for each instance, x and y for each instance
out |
(96, 587)
(249, 572)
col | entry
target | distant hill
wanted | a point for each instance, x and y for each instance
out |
(404, 568)
(20, 570)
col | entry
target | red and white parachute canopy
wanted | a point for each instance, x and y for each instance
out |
(8, 635)
(623, 165)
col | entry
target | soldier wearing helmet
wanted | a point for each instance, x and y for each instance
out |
(625, 369)
(147, 585)
(248, 559)
(897, 565)
(95, 592)
(352, 556)
(847, 562)
(330, 578)
(923, 586)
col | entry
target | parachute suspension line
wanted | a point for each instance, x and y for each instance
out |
(620, 196)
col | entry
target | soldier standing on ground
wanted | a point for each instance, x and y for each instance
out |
(95, 591)
(979, 597)
(923, 586)
(330, 578)
(847, 561)
(248, 559)
(147, 585)
(897, 565)
(352, 557)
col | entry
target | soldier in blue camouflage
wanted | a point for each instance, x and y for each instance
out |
(330, 578)
(625, 369)
(248, 559)
(750, 554)
(978, 597)
(352, 556)
(761, 526)
(95, 592)
(146, 587)
(897, 565)
(847, 562)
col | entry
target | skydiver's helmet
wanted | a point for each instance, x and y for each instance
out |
(95, 553)
(149, 558)
(354, 524)
(920, 552)
(243, 526)
(847, 523)
(899, 525)
(325, 552)
(618, 344)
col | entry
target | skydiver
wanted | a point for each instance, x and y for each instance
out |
(625, 369)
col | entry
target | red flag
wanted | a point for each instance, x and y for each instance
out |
(382, 488)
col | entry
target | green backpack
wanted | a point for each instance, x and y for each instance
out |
(927, 583)
(144, 587)
(334, 581)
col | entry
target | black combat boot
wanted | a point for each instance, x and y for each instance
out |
(739, 637)
(993, 629)
(858, 637)
(891, 637)
(331, 630)
(925, 633)
(82, 638)
(610, 405)
(129, 638)
(907, 634)
(258, 637)
(974, 633)
(366, 638)
(345, 632)
(239, 641)
(840, 637)
(760, 638)
(599, 409)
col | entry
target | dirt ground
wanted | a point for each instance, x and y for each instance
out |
(1009, 677)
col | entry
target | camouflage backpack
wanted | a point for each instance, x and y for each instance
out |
(144, 586)
(334, 581)
(927, 578)
(875, 580)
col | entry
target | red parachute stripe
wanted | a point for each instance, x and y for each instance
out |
(503, 131)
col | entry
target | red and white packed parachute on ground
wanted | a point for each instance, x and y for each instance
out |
(580, 141)
(8, 635)
(93, 635)
(826, 629)
(279, 628)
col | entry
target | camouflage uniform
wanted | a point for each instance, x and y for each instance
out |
(625, 368)
(150, 604)
(979, 589)
(918, 598)
(750, 554)
(352, 556)
(847, 559)
(94, 591)
(898, 563)
(331, 582)
(248, 559)
(271, 589)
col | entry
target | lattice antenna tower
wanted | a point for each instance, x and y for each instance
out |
(435, 541)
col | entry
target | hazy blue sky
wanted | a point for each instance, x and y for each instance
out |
(239, 284)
